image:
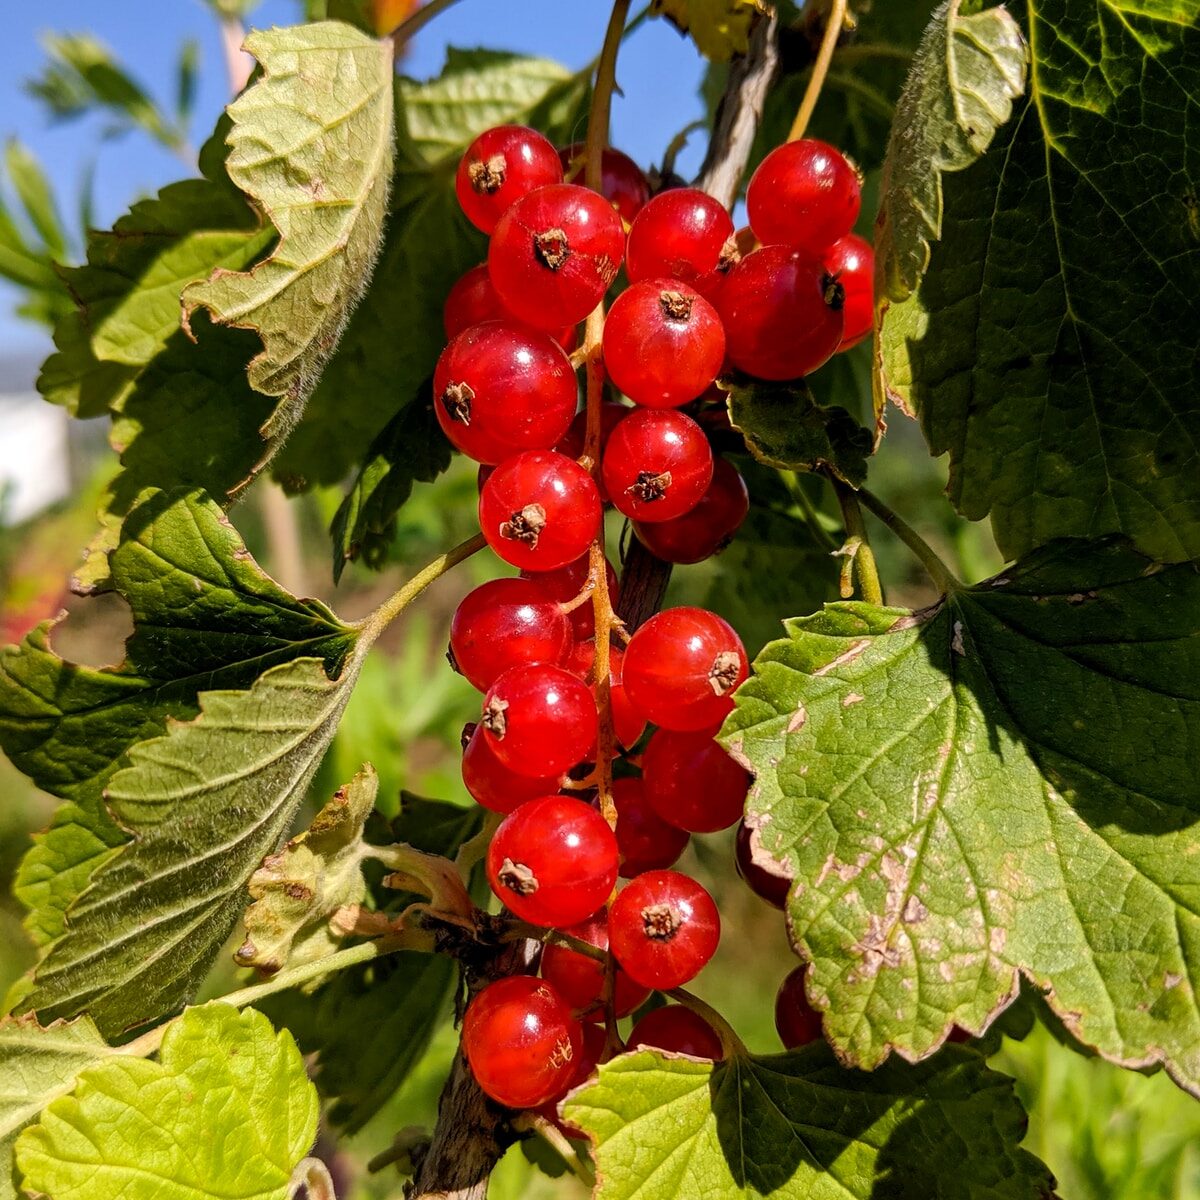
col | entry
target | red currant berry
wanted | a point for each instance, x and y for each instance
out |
(657, 465)
(539, 510)
(491, 783)
(628, 723)
(473, 300)
(594, 1042)
(539, 720)
(782, 313)
(622, 182)
(681, 668)
(565, 583)
(521, 1041)
(553, 861)
(580, 980)
(691, 782)
(500, 166)
(663, 343)
(771, 887)
(663, 928)
(805, 194)
(554, 253)
(706, 529)
(574, 443)
(645, 840)
(677, 1030)
(796, 1021)
(503, 624)
(681, 234)
(851, 261)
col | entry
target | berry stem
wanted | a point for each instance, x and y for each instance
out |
(938, 571)
(733, 1045)
(474, 848)
(538, 1124)
(515, 930)
(833, 29)
(857, 550)
(416, 22)
(811, 517)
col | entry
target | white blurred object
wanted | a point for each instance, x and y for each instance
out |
(35, 465)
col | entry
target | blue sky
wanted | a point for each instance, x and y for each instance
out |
(659, 74)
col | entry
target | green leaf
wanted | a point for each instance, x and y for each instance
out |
(799, 1127)
(1001, 784)
(33, 189)
(205, 616)
(226, 1111)
(1069, 256)
(312, 145)
(302, 885)
(720, 28)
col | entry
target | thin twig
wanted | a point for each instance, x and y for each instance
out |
(416, 21)
(733, 1045)
(399, 601)
(547, 1130)
(938, 571)
(857, 548)
(833, 30)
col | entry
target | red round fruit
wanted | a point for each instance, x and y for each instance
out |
(803, 193)
(657, 465)
(580, 980)
(574, 443)
(554, 254)
(628, 723)
(539, 510)
(539, 720)
(677, 1030)
(553, 861)
(622, 182)
(851, 261)
(491, 783)
(645, 840)
(681, 668)
(663, 343)
(682, 234)
(796, 1021)
(521, 1041)
(500, 166)
(566, 582)
(663, 928)
(473, 300)
(771, 887)
(782, 313)
(594, 1041)
(706, 529)
(503, 624)
(691, 782)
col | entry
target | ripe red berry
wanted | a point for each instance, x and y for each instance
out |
(622, 182)
(681, 234)
(851, 261)
(657, 465)
(580, 980)
(553, 861)
(681, 668)
(539, 510)
(500, 166)
(491, 783)
(503, 624)
(521, 1041)
(574, 443)
(706, 529)
(677, 1030)
(594, 1041)
(663, 343)
(796, 1021)
(782, 313)
(771, 887)
(645, 840)
(803, 193)
(473, 300)
(628, 723)
(691, 782)
(554, 253)
(565, 583)
(663, 928)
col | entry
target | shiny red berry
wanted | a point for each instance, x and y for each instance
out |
(622, 182)
(796, 1021)
(628, 722)
(691, 782)
(771, 887)
(803, 193)
(521, 1041)
(706, 529)
(851, 261)
(500, 166)
(553, 861)
(663, 928)
(491, 783)
(554, 254)
(539, 510)
(540, 720)
(473, 300)
(663, 343)
(682, 666)
(565, 583)
(594, 1042)
(503, 624)
(575, 441)
(682, 234)
(782, 313)
(580, 980)
(645, 840)
(677, 1030)
(657, 465)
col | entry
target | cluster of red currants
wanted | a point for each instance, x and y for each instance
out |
(506, 395)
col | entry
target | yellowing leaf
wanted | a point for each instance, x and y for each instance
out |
(720, 28)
